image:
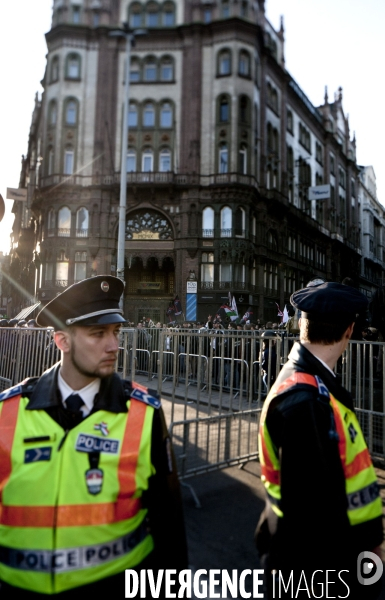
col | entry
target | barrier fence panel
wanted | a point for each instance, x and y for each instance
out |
(213, 382)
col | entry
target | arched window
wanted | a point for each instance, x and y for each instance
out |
(244, 9)
(54, 69)
(134, 70)
(165, 160)
(131, 161)
(73, 66)
(244, 104)
(242, 160)
(69, 157)
(166, 69)
(224, 110)
(166, 115)
(76, 13)
(80, 266)
(168, 14)
(208, 222)
(207, 268)
(226, 221)
(152, 17)
(224, 62)
(82, 222)
(148, 115)
(147, 160)
(51, 161)
(62, 269)
(64, 222)
(71, 112)
(289, 121)
(150, 70)
(244, 64)
(136, 15)
(51, 222)
(133, 115)
(52, 113)
(225, 9)
(223, 159)
(240, 222)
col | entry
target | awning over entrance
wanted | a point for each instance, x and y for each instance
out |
(27, 311)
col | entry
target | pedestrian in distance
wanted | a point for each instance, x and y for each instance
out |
(323, 508)
(87, 473)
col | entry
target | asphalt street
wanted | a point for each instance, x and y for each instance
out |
(220, 533)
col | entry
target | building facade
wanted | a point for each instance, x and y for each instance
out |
(372, 219)
(222, 146)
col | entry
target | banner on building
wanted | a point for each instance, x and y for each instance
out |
(319, 192)
(149, 285)
(191, 307)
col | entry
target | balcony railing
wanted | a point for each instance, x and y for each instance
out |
(149, 177)
(65, 232)
(224, 285)
(219, 233)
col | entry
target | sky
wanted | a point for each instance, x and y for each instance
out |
(328, 43)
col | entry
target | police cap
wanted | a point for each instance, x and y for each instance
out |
(93, 301)
(330, 303)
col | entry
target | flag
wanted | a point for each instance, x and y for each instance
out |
(233, 304)
(226, 313)
(177, 306)
(285, 317)
(280, 313)
(248, 315)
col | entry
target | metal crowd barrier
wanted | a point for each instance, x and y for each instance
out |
(212, 383)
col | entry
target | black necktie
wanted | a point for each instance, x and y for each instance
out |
(74, 403)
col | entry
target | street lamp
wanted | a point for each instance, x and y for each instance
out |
(129, 36)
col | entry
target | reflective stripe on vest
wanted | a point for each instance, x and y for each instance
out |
(362, 490)
(46, 507)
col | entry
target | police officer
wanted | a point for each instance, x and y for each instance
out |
(87, 475)
(323, 507)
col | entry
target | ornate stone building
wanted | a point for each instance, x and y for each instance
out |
(222, 147)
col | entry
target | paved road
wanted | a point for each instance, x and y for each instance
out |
(220, 533)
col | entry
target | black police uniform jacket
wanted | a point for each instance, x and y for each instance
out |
(314, 532)
(162, 498)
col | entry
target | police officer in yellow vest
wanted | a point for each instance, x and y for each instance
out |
(323, 508)
(87, 476)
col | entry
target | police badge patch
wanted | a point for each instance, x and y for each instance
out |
(94, 481)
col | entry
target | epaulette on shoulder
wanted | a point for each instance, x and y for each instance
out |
(142, 394)
(23, 388)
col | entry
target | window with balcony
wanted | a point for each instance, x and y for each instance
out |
(68, 167)
(80, 266)
(207, 268)
(208, 222)
(62, 269)
(82, 222)
(223, 159)
(147, 161)
(165, 161)
(64, 222)
(131, 161)
(226, 221)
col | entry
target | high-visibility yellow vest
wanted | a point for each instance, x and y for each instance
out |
(64, 521)
(362, 490)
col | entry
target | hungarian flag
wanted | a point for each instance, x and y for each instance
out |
(233, 304)
(177, 306)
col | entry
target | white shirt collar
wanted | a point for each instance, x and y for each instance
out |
(87, 393)
(325, 365)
